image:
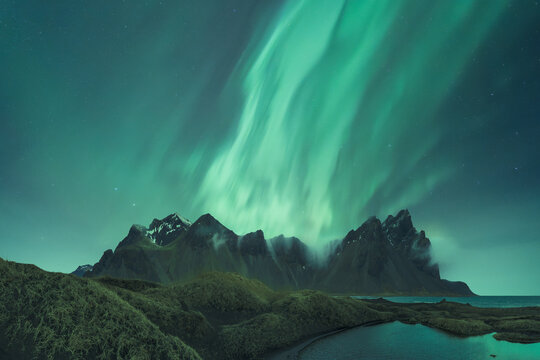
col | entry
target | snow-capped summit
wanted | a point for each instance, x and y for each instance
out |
(179, 218)
(163, 231)
(378, 257)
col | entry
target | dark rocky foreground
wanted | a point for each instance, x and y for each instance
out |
(389, 257)
(214, 316)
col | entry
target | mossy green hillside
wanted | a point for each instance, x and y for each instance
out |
(55, 316)
(213, 316)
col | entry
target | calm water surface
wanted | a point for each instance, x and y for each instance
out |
(478, 301)
(401, 341)
(413, 342)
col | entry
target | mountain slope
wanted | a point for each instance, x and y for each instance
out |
(377, 258)
(386, 258)
(56, 316)
(220, 315)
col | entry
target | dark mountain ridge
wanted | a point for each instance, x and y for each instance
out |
(389, 257)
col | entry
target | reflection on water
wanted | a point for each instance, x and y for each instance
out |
(400, 341)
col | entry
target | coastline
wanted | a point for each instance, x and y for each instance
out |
(293, 351)
(367, 343)
(215, 316)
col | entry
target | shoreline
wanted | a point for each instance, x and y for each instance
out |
(218, 316)
(293, 351)
(298, 351)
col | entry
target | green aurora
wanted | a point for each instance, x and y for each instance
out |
(301, 117)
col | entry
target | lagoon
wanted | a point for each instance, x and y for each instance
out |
(415, 342)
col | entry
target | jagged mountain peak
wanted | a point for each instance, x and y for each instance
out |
(208, 220)
(163, 232)
(291, 249)
(207, 231)
(371, 230)
(399, 227)
(258, 234)
(253, 243)
(376, 257)
(373, 225)
(160, 232)
(173, 219)
(137, 229)
(136, 233)
(207, 224)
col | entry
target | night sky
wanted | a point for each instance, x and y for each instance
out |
(301, 117)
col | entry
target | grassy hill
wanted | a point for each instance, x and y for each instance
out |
(221, 315)
(224, 315)
(214, 316)
(56, 316)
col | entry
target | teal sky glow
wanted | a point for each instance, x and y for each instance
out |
(301, 117)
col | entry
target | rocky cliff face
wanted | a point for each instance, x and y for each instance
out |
(391, 257)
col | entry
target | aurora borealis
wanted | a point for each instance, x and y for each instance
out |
(301, 117)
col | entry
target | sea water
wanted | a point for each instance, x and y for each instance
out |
(478, 301)
(400, 341)
(413, 342)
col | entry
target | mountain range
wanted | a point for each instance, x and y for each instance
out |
(378, 258)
